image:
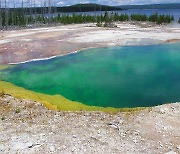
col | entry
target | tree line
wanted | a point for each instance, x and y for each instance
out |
(18, 18)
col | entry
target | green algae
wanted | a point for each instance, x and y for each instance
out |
(3, 67)
(56, 102)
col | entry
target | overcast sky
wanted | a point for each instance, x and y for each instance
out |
(106, 2)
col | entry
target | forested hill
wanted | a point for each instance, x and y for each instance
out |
(87, 8)
(152, 6)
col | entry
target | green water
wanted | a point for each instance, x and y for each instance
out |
(130, 76)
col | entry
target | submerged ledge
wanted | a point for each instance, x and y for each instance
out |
(56, 102)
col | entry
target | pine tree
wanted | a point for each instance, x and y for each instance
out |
(106, 19)
(99, 24)
(172, 18)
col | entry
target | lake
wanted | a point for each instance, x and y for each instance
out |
(148, 12)
(127, 76)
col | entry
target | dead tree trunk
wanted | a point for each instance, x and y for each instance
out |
(44, 12)
(49, 11)
(35, 14)
(0, 16)
(22, 8)
(6, 15)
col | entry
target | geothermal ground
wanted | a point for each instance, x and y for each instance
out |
(24, 45)
(28, 127)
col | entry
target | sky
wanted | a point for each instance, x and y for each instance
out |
(116, 2)
(106, 2)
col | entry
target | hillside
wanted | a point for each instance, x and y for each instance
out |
(66, 9)
(87, 8)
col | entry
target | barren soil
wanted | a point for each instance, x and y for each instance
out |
(27, 127)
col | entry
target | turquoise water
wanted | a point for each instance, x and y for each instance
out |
(129, 76)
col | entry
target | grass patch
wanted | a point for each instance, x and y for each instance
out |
(56, 102)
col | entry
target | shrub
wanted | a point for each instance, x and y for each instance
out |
(139, 17)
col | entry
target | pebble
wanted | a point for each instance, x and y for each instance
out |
(135, 141)
(52, 148)
(163, 110)
(178, 147)
(171, 152)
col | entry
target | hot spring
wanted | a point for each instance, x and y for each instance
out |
(128, 76)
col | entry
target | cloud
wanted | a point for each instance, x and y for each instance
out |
(60, 3)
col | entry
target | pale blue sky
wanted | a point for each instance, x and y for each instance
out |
(115, 2)
(71, 2)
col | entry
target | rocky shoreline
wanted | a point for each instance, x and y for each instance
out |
(28, 127)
